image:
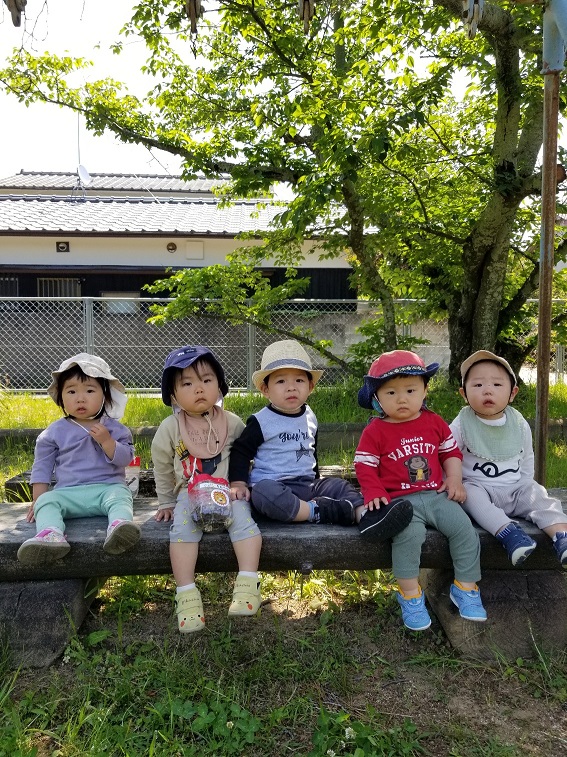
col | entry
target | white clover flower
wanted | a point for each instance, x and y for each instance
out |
(350, 734)
(331, 753)
(229, 724)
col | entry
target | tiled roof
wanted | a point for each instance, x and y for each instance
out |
(107, 182)
(33, 214)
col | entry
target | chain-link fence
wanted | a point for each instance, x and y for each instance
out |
(37, 334)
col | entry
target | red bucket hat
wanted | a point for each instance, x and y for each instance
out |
(389, 365)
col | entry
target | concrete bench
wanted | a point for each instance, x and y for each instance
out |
(524, 605)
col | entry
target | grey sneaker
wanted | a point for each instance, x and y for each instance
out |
(45, 547)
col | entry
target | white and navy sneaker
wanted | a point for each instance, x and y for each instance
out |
(518, 544)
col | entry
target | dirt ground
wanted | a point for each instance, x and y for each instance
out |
(402, 675)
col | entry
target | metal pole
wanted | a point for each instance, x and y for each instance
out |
(88, 325)
(547, 243)
(554, 36)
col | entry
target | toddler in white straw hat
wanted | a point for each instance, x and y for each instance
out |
(281, 439)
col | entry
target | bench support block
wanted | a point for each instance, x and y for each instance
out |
(527, 611)
(38, 618)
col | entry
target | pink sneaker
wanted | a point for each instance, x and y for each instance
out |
(121, 536)
(45, 547)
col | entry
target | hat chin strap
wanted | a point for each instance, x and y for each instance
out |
(91, 417)
(378, 407)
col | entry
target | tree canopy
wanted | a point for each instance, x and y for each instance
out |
(407, 145)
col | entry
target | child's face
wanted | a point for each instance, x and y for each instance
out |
(287, 389)
(82, 399)
(197, 389)
(488, 390)
(401, 398)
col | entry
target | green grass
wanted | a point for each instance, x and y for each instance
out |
(335, 404)
(327, 671)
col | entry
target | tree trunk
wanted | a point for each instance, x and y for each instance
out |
(367, 258)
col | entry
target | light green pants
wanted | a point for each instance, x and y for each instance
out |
(112, 500)
(448, 517)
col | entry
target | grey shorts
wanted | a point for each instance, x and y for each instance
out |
(184, 528)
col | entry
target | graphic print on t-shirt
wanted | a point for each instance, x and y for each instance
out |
(491, 470)
(414, 454)
(418, 468)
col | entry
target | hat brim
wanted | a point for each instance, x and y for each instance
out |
(259, 376)
(371, 383)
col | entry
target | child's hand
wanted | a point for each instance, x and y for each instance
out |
(165, 514)
(99, 433)
(239, 490)
(454, 488)
(376, 503)
(30, 517)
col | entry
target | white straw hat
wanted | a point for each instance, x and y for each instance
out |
(96, 367)
(285, 354)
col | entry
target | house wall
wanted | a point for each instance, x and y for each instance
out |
(132, 251)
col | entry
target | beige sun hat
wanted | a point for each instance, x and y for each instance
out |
(285, 354)
(481, 355)
(96, 367)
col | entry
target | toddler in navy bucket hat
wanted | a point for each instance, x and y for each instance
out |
(409, 469)
(190, 453)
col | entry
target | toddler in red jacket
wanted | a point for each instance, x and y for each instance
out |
(407, 454)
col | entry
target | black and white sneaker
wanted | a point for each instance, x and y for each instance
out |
(339, 511)
(386, 522)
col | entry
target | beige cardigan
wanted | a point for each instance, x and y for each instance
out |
(168, 469)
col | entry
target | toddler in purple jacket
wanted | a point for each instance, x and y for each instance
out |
(87, 452)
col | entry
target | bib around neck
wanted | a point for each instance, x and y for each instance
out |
(491, 442)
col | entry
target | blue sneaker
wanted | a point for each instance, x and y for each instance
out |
(414, 614)
(517, 543)
(560, 546)
(468, 602)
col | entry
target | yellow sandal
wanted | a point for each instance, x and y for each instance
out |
(189, 609)
(246, 598)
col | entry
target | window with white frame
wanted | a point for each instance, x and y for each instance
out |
(121, 303)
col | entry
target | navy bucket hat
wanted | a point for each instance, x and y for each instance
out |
(182, 358)
(389, 365)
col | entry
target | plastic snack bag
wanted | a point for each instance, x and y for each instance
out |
(209, 502)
